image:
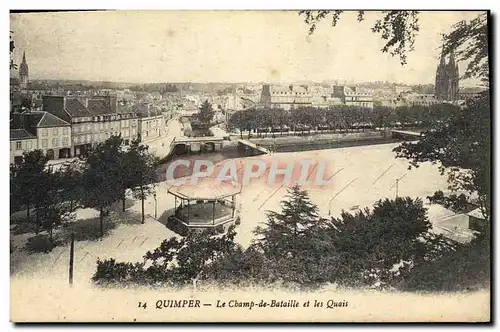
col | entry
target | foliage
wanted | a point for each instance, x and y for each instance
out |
(28, 180)
(469, 41)
(102, 178)
(340, 118)
(397, 28)
(461, 145)
(110, 271)
(11, 49)
(141, 172)
(370, 243)
(388, 246)
(464, 269)
(70, 180)
(174, 262)
(283, 234)
(40, 243)
(206, 113)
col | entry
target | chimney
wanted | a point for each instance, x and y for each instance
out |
(290, 87)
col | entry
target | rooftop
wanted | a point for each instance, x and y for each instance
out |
(20, 134)
(205, 188)
(46, 120)
(75, 108)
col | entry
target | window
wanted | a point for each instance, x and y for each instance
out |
(55, 131)
(65, 141)
(28, 145)
(44, 132)
(65, 130)
(19, 145)
(89, 138)
(96, 126)
(45, 143)
(101, 126)
(55, 142)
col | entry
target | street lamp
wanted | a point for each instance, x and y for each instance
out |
(156, 210)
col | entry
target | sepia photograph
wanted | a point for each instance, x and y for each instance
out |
(272, 166)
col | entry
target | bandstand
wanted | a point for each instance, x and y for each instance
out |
(208, 203)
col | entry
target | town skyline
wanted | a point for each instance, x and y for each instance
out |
(286, 54)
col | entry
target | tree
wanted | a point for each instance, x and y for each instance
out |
(55, 209)
(371, 242)
(284, 233)
(469, 40)
(206, 113)
(70, 180)
(102, 178)
(28, 179)
(12, 47)
(461, 146)
(141, 167)
(175, 262)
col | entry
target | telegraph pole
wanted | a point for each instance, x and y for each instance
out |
(397, 187)
(71, 258)
(156, 209)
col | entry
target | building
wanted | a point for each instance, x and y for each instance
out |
(419, 99)
(23, 73)
(477, 221)
(151, 122)
(93, 119)
(52, 133)
(21, 141)
(287, 98)
(350, 96)
(447, 77)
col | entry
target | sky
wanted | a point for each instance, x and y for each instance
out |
(221, 46)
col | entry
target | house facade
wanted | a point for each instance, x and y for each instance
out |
(21, 141)
(350, 96)
(93, 120)
(151, 123)
(52, 133)
(285, 97)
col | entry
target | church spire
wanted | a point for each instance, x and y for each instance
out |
(452, 59)
(24, 73)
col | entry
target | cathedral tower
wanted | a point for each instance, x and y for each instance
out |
(453, 76)
(447, 77)
(441, 79)
(23, 73)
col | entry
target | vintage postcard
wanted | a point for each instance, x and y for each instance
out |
(250, 166)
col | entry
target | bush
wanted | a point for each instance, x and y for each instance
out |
(40, 243)
(109, 271)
